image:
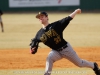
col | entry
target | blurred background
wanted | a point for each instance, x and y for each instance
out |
(20, 24)
(48, 5)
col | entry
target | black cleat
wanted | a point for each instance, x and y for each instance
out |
(96, 69)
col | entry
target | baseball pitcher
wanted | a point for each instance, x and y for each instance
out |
(51, 34)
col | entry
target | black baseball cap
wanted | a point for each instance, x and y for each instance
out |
(41, 13)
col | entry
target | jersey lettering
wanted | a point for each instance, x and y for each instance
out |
(57, 40)
(50, 34)
(43, 38)
(54, 33)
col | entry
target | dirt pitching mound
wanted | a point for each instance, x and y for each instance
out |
(22, 59)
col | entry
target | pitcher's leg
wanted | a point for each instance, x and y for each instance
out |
(80, 62)
(84, 63)
(52, 57)
(71, 55)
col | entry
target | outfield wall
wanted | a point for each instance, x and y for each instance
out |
(83, 4)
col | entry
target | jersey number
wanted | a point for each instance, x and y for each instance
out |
(57, 40)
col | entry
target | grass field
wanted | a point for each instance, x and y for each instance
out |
(83, 33)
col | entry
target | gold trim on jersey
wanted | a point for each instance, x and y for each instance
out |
(50, 34)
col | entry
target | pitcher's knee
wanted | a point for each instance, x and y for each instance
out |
(51, 58)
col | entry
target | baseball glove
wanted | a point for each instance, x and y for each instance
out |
(34, 44)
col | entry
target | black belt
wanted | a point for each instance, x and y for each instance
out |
(60, 49)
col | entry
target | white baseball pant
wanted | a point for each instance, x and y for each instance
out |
(67, 53)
